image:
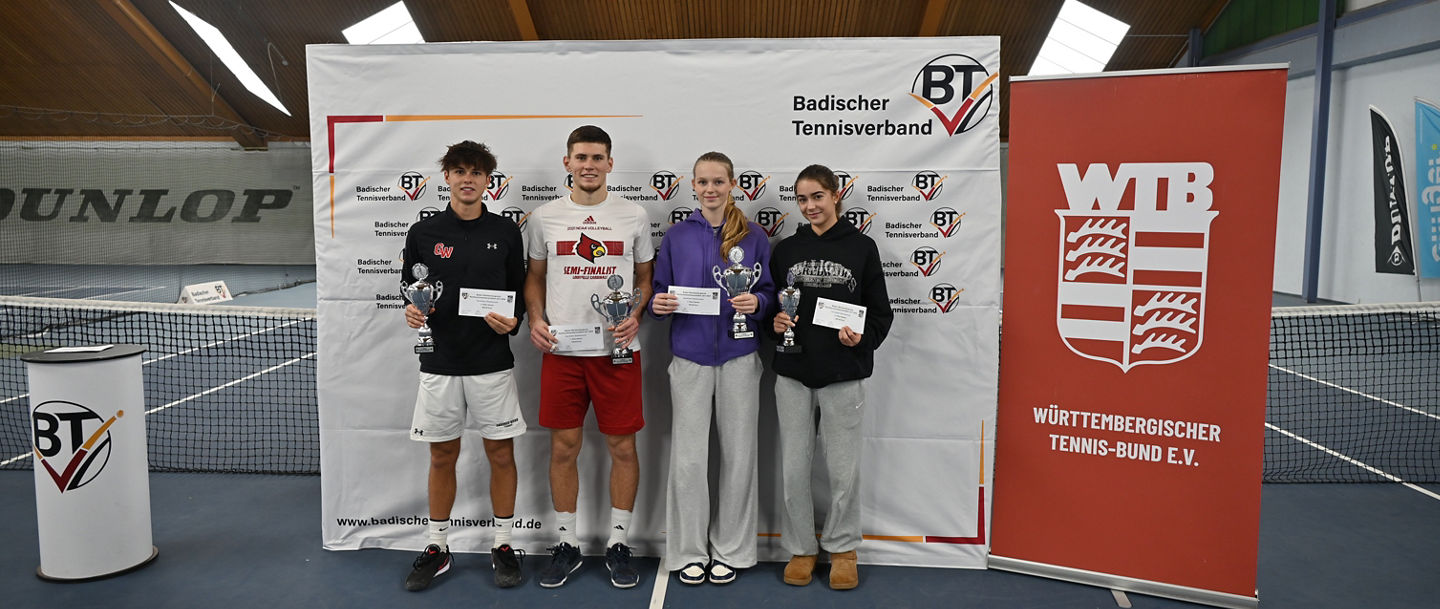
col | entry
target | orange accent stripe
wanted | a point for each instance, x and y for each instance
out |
(100, 432)
(982, 453)
(491, 117)
(984, 85)
(757, 534)
(904, 538)
(923, 100)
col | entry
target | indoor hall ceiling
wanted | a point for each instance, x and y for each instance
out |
(133, 69)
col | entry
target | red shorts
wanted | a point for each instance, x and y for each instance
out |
(568, 384)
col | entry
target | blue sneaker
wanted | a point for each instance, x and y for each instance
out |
(617, 560)
(721, 573)
(693, 574)
(564, 560)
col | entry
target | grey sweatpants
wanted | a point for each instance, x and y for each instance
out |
(692, 535)
(839, 406)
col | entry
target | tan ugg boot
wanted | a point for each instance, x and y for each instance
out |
(797, 573)
(843, 572)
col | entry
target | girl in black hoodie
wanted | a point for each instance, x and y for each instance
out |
(828, 258)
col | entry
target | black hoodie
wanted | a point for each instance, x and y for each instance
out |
(841, 265)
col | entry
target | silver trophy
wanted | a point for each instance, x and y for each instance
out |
(737, 279)
(615, 307)
(423, 295)
(790, 304)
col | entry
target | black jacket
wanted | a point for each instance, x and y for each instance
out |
(485, 253)
(842, 265)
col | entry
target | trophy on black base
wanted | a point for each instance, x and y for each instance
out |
(423, 295)
(790, 304)
(737, 279)
(615, 307)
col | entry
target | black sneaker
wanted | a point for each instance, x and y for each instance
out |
(617, 560)
(505, 560)
(564, 560)
(429, 565)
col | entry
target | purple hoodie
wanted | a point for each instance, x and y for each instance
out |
(688, 255)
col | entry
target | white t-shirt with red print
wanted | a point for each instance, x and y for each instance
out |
(582, 246)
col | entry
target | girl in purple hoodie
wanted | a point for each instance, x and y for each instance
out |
(712, 372)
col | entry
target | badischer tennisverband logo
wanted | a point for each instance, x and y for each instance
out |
(946, 220)
(928, 184)
(1132, 267)
(944, 296)
(412, 183)
(516, 215)
(957, 89)
(665, 184)
(860, 217)
(498, 186)
(679, 214)
(926, 259)
(72, 442)
(752, 184)
(847, 183)
(771, 220)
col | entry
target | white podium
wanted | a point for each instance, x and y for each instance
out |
(92, 485)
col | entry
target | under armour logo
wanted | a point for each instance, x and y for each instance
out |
(417, 431)
(492, 246)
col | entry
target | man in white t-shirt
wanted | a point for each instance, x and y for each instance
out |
(575, 243)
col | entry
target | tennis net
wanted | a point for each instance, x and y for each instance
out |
(227, 389)
(1354, 394)
(1352, 389)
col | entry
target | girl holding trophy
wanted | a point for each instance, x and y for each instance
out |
(839, 317)
(712, 279)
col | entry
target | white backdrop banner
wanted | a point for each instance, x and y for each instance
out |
(911, 126)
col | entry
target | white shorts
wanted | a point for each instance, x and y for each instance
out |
(445, 402)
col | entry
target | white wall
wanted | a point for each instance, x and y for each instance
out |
(1386, 61)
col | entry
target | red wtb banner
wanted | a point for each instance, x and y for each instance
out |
(1139, 254)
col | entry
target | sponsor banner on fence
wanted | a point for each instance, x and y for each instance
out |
(1427, 186)
(912, 131)
(1139, 248)
(1393, 252)
(93, 203)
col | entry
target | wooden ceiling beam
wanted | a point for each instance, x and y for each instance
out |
(523, 22)
(176, 66)
(934, 11)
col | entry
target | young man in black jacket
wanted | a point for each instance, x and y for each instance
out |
(468, 375)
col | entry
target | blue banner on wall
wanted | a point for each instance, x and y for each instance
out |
(1427, 184)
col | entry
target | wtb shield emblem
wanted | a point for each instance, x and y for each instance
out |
(1132, 281)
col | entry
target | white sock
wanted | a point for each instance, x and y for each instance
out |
(566, 521)
(502, 534)
(439, 530)
(619, 526)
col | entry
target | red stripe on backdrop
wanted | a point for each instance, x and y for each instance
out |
(330, 122)
(979, 537)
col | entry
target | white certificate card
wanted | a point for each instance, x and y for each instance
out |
(697, 301)
(579, 337)
(836, 314)
(479, 303)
